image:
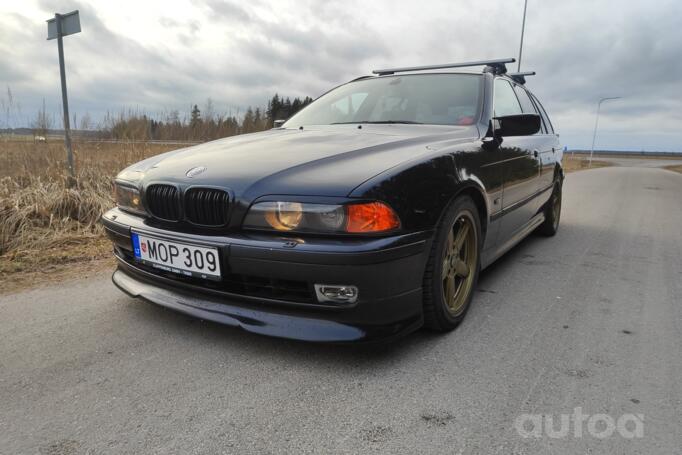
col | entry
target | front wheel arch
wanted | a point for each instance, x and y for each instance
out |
(477, 195)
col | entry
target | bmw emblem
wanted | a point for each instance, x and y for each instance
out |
(195, 171)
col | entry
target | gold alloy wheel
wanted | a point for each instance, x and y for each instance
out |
(459, 263)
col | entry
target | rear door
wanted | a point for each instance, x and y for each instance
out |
(550, 153)
(521, 169)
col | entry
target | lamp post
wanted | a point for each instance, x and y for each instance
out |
(596, 123)
(523, 28)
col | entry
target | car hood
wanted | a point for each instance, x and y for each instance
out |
(321, 161)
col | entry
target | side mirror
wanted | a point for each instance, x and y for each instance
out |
(278, 123)
(517, 125)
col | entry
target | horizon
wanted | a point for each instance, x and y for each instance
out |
(58, 133)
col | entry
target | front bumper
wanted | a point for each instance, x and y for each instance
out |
(387, 271)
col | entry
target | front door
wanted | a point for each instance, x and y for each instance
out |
(521, 167)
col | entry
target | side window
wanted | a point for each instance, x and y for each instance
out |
(524, 99)
(528, 106)
(545, 117)
(504, 100)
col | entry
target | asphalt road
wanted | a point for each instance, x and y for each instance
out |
(589, 319)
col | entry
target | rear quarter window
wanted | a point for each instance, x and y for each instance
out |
(543, 114)
(528, 106)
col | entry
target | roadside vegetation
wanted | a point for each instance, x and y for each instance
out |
(200, 124)
(580, 162)
(47, 223)
(675, 168)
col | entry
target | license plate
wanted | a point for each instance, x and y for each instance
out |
(177, 257)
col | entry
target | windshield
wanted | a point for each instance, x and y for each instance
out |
(436, 99)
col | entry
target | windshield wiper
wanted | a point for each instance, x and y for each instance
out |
(407, 122)
(380, 122)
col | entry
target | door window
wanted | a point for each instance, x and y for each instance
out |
(504, 100)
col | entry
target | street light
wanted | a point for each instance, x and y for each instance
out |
(596, 123)
(523, 28)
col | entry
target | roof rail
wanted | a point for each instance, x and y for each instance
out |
(359, 78)
(521, 77)
(491, 66)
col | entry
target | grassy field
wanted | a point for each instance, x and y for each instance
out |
(676, 168)
(46, 225)
(574, 163)
(49, 230)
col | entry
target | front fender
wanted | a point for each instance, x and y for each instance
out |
(420, 191)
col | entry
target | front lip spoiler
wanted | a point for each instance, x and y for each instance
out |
(268, 323)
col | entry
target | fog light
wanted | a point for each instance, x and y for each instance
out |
(336, 293)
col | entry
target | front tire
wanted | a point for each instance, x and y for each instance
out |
(453, 266)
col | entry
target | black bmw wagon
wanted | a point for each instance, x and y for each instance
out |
(365, 216)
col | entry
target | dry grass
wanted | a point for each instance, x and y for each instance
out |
(675, 167)
(44, 223)
(579, 162)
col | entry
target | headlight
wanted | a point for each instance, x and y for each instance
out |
(128, 198)
(368, 217)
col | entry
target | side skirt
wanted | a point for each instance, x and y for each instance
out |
(492, 256)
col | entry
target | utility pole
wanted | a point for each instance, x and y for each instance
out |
(63, 25)
(596, 124)
(523, 29)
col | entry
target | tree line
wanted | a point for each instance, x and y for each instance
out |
(201, 124)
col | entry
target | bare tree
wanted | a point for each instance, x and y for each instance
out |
(209, 110)
(86, 122)
(10, 109)
(43, 122)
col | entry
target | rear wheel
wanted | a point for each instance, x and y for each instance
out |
(552, 213)
(453, 266)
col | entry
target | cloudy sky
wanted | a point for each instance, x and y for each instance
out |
(155, 56)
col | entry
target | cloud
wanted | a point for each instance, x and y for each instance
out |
(158, 56)
(225, 11)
